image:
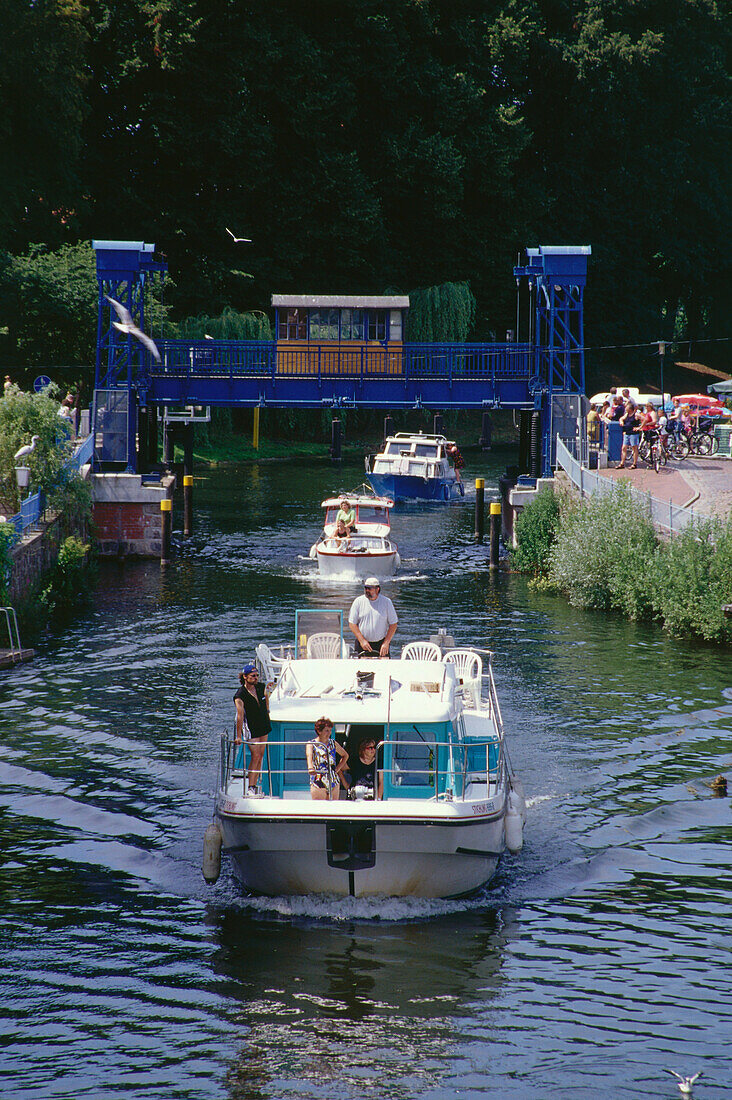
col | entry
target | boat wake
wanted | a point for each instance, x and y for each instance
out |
(381, 909)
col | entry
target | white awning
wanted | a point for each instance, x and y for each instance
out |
(342, 301)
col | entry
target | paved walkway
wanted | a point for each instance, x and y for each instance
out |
(704, 484)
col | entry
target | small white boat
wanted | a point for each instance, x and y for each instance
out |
(445, 806)
(368, 551)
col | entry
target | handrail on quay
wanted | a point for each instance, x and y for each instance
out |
(663, 513)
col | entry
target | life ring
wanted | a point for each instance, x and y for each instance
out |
(446, 492)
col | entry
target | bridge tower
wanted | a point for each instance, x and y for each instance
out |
(556, 276)
(121, 364)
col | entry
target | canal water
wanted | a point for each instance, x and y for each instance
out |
(598, 959)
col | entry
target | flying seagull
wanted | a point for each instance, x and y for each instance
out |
(126, 324)
(685, 1083)
(28, 449)
(239, 240)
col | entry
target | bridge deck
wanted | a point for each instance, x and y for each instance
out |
(216, 372)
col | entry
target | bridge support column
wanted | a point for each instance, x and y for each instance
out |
(486, 432)
(524, 440)
(535, 457)
(335, 440)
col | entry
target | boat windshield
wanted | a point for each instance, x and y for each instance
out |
(425, 450)
(367, 513)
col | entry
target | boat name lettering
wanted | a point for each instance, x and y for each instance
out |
(482, 807)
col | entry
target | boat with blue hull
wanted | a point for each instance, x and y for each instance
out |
(415, 467)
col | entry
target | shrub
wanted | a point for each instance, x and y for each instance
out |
(67, 588)
(694, 579)
(536, 532)
(605, 555)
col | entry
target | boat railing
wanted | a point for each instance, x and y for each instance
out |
(448, 770)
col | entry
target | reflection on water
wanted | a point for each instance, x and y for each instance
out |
(598, 959)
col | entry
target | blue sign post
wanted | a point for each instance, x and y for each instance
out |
(41, 382)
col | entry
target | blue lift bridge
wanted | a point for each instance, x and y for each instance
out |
(543, 376)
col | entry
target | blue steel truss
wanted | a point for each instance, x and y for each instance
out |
(556, 276)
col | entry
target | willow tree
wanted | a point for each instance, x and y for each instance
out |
(441, 313)
(228, 325)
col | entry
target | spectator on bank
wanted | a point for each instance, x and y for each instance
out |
(593, 424)
(630, 422)
(618, 409)
(649, 418)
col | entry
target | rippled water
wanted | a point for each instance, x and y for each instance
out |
(599, 958)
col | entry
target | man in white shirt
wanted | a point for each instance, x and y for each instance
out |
(373, 620)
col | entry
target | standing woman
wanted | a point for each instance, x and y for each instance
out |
(631, 435)
(321, 752)
(252, 705)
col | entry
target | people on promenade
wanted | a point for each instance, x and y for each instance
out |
(649, 418)
(252, 710)
(593, 424)
(373, 620)
(326, 761)
(631, 437)
(618, 408)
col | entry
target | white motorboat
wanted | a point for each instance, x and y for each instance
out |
(415, 466)
(368, 551)
(445, 806)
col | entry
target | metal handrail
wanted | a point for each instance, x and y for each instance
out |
(230, 748)
(11, 620)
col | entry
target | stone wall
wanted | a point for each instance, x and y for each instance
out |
(127, 515)
(37, 552)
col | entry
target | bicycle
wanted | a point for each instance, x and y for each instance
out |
(652, 449)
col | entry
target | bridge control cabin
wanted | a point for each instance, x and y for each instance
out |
(341, 334)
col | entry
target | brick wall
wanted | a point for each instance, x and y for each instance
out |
(37, 552)
(128, 528)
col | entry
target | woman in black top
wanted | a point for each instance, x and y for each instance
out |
(251, 702)
(363, 770)
(631, 434)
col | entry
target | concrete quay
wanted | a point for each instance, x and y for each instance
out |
(127, 514)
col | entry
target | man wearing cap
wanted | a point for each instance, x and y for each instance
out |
(373, 620)
(252, 705)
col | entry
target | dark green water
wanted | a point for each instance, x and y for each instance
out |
(599, 958)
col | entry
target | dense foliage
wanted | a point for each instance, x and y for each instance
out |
(371, 145)
(23, 415)
(603, 553)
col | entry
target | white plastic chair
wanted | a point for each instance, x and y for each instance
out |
(326, 645)
(421, 651)
(270, 667)
(468, 665)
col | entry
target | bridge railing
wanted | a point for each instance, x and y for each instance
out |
(237, 358)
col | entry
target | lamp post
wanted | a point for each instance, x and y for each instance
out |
(661, 357)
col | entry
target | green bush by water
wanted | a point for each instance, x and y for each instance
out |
(603, 553)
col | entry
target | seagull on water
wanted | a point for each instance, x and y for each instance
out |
(28, 449)
(239, 240)
(126, 324)
(686, 1084)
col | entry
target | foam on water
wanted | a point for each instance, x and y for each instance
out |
(339, 909)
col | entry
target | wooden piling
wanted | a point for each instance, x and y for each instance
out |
(187, 504)
(495, 534)
(335, 440)
(479, 509)
(166, 523)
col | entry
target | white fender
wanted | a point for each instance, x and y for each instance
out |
(517, 794)
(514, 829)
(213, 840)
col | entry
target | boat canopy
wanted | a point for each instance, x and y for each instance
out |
(365, 691)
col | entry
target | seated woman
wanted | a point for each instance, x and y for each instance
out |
(348, 515)
(342, 535)
(324, 768)
(363, 771)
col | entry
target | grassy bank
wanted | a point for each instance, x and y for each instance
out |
(602, 553)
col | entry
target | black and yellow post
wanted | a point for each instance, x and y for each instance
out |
(479, 509)
(166, 526)
(495, 534)
(187, 504)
